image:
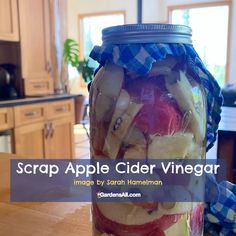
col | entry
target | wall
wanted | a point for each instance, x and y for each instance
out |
(153, 11)
(76, 7)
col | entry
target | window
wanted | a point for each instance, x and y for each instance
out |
(91, 30)
(210, 34)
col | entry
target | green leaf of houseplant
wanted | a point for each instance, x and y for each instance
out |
(71, 56)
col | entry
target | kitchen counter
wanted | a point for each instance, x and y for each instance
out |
(30, 100)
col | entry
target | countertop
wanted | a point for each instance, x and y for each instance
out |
(30, 100)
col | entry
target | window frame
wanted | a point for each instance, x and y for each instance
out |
(228, 3)
(80, 25)
(81, 31)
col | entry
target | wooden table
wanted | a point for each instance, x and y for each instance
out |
(39, 219)
(45, 219)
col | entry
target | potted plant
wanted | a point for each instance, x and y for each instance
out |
(71, 56)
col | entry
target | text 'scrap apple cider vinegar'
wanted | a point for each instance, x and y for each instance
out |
(148, 101)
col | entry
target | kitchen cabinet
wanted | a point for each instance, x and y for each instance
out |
(29, 114)
(61, 121)
(9, 29)
(35, 33)
(60, 139)
(29, 140)
(45, 130)
(40, 27)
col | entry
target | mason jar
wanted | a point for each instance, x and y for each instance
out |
(148, 101)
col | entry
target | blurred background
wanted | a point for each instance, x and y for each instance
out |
(212, 23)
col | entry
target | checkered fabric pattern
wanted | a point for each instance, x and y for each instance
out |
(140, 57)
(220, 216)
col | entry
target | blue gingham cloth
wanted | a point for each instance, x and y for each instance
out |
(220, 216)
(139, 58)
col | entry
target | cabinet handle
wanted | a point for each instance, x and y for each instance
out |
(31, 113)
(49, 67)
(61, 109)
(38, 86)
(52, 130)
(46, 130)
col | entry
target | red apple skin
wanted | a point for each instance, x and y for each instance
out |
(196, 220)
(103, 224)
(98, 152)
(157, 232)
(161, 118)
(160, 114)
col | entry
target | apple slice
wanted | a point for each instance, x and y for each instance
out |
(123, 116)
(135, 153)
(104, 234)
(179, 208)
(158, 232)
(135, 145)
(108, 89)
(98, 132)
(160, 113)
(128, 214)
(163, 67)
(196, 152)
(174, 146)
(135, 137)
(147, 205)
(196, 220)
(162, 117)
(181, 228)
(107, 225)
(181, 89)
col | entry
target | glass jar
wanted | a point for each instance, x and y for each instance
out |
(147, 101)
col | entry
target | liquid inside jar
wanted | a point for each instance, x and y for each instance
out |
(161, 115)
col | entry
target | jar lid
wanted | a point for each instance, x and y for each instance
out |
(147, 33)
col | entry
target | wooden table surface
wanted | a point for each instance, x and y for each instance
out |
(39, 219)
(45, 219)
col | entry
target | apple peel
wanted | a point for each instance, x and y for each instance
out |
(181, 89)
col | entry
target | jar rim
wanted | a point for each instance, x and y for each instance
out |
(147, 33)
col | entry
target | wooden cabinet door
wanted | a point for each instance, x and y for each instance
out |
(9, 29)
(60, 143)
(30, 140)
(6, 119)
(35, 46)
